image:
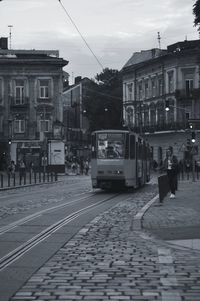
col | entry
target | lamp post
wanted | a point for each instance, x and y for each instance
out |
(106, 115)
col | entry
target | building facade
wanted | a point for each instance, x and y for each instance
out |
(155, 78)
(31, 111)
(77, 137)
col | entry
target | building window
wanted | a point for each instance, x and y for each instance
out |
(19, 126)
(146, 117)
(130, 91)
(152, 117)
(189, 86)
(146, 89)
(43, 88)
(140, 91)
(187, 115)
(171, 82)
(160, 87)
(44, 125)
(19, 91)
(153, 87)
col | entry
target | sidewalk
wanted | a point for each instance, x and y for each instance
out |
(110, 260)
(177, 218)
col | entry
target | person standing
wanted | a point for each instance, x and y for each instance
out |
(171, 166)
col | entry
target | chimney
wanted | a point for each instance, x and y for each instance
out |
(4, 43)
(77, 80)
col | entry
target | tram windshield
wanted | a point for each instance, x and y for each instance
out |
(110, 146)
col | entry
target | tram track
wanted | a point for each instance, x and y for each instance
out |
(28, 218)
(15, 254)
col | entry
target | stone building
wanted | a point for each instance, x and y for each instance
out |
(74, 118)
(31, 110)
(154, 79)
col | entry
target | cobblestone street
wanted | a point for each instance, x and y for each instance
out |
(110, 260)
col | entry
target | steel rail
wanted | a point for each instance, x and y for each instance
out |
(28, 218)
(12, 256)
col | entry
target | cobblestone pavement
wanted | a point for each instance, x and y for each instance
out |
(110, 260)
(47, 195)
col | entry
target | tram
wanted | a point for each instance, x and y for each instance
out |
(120, 159)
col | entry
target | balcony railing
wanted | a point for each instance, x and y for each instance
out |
(173, 126)
(187, 96)
(47, 101)
(19, 103)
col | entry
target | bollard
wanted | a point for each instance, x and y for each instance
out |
(56, 176)
(39, 176)
(14, 179)
(25, 178)
(48, 177)
(1, 181)
(43, 176)
(51, 177)
(163, 187)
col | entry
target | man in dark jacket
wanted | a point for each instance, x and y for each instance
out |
(171, 166)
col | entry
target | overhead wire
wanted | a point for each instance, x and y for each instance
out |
(82, 37)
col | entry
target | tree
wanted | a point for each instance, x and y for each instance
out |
(103, 103)
(196, 13)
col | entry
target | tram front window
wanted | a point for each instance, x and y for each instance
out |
(110, 146)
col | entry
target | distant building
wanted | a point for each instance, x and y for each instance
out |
(74, 118)
(154, 78)
(31, 111)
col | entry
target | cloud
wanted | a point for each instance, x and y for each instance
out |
(114, 29)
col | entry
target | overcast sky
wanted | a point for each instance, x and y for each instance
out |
(114, 29)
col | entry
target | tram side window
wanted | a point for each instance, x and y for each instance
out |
(127, 146)
(93, 142)
(132, 147)
(140, 149)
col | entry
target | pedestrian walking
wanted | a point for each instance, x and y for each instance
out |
(11, 168)
(22, 169)
(171, 166)
(86, 167)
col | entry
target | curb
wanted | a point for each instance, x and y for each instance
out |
(137, 221)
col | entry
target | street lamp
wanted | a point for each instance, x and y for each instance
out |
(167, 105)
(193, 137)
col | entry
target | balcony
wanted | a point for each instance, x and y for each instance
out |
(22, 103)
(173, 126)
(186, 96)
(45, 102)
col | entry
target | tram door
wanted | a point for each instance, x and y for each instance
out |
(133, 158)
